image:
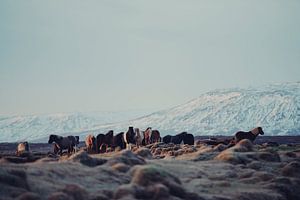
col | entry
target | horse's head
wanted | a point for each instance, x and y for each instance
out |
(130, 129)
(77, 139)
(109, 137)
(26, 146)
(137, 130)
(23, 146)
(110, 133)
(52, 138)
(260, 130)
(256, 131)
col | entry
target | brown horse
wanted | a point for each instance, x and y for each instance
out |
(155, 136)
(250, 135)
(90, 142)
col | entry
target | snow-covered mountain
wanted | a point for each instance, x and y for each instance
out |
(38, 127)
(275, 107)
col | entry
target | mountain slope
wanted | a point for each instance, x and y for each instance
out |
(275, 107)
(37, 127)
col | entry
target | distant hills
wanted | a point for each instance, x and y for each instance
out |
(275, 107)
(39, 127)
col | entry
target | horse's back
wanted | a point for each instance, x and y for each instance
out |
(66, 143)
(167, 139)
(118, 140)
(244, 135)
(176, 139)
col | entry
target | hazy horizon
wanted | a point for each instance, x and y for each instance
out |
(69, 56)
(143, 111)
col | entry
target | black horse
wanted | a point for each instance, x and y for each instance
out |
(177, 139)
(75, 141)
(129, 137)
(184, 137)
(167, 139)
(188, 139)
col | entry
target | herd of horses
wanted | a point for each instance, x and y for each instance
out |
(103, 143)
(123, 140)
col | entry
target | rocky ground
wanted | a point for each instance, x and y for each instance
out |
(159, 171)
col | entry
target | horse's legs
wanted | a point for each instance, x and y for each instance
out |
(69, 150)
(128, 146)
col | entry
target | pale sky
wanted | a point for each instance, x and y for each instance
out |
(104, 55)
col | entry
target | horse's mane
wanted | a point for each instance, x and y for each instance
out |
(255, 131)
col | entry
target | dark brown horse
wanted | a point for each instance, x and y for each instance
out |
(118, 141)
(104, 141)
(62, 143)
(155, 136)
(250, 135)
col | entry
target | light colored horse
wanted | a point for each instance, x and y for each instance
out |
(90, 142)
(22, 148)
(147, 135)
(138, 137)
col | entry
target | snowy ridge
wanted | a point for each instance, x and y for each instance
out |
(275, 107)
(37, 127)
